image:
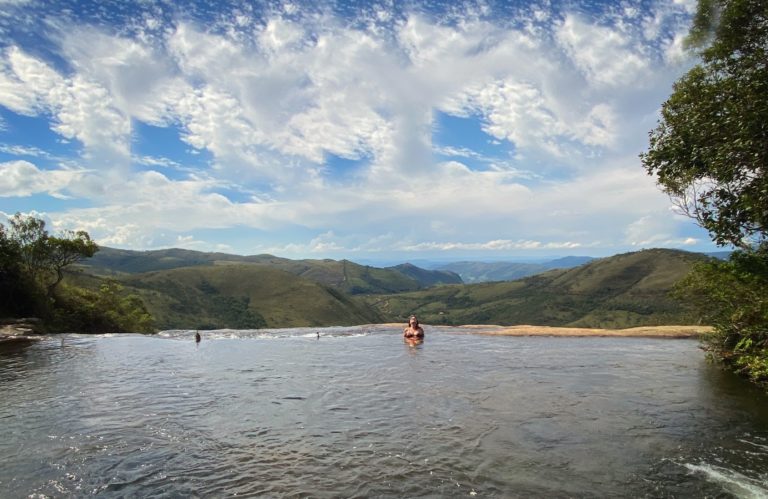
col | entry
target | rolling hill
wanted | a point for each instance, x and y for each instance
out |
(343, 275)
(246, 296)
(620, 291)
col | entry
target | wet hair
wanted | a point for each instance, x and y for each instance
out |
(412, 318)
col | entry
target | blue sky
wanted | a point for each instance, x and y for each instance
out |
(361, 130)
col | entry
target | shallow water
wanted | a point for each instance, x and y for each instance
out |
(358, 413)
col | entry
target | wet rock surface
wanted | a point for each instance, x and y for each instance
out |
(24, 329)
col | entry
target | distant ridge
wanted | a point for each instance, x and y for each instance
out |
(428, 278)
(474, 272)
(628, 290)
(344, 275)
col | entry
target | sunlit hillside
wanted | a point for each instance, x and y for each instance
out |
(626, 290)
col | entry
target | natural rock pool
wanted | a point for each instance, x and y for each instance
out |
(357, 413)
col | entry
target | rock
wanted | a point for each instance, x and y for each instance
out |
(21, 327)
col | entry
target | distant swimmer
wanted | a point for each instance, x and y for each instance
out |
(414, 331)
(318, 335)
(197, 337)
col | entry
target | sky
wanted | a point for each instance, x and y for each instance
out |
(363, 130)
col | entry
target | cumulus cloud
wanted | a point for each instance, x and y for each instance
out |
(22, 179)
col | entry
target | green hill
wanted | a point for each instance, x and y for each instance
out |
(111, 261)
(620, 291)
(343, 275)
(243, 296)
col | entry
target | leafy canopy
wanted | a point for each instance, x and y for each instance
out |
(732, 297)
(710, 148)
(710, 154)
(43, 256)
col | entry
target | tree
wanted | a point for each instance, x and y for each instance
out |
(710, 149)
(731, 295)
(17, 293)
(43, 256)
(28, 238)
(71, 247)
(108, 309)
(32, 264)
(710, 154)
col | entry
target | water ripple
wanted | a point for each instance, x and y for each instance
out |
(357, 413)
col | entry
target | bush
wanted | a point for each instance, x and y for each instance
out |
(110, 310)
(733, 296)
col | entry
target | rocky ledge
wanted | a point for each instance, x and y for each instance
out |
(19, 330)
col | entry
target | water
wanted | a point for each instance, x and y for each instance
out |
(359, 414)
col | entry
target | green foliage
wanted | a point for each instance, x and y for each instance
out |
(43, 257)
(71, 247)
(108, 310)
(19, 296)
(733, 297)
(710, 154)
(709, 150)
(33, 264)
(704, 24)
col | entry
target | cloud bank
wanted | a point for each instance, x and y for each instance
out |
(308, 131)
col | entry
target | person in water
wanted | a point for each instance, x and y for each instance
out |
(414, 331)
(197, 337)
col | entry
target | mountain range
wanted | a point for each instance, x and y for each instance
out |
(195, 290)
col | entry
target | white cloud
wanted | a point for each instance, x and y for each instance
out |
(654, 231)
(279, 34)
(675, 52)
(17, 150)
(495, 245)
(22, 178)
(157, 161)
(82, 109)
(605, 55)
(271, 99)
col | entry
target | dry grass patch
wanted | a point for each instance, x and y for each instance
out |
(634, 332)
